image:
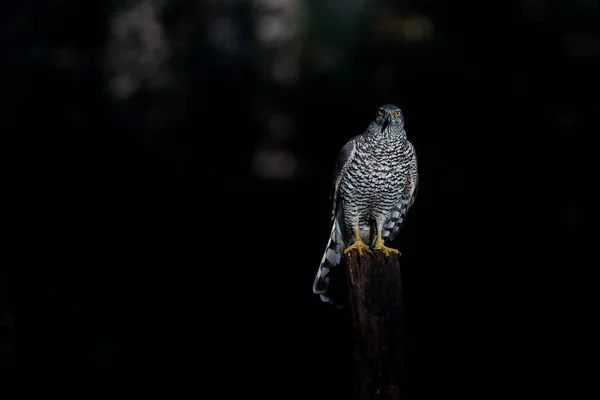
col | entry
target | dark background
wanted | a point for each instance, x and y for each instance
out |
(167, 168)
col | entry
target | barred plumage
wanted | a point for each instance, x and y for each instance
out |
(376, 178)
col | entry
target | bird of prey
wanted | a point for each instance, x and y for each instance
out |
(375, 183)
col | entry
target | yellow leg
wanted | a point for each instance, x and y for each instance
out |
(358, 244)
(379, 245)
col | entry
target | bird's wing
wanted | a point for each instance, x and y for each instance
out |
(413, 176)
(333, 251)
(407, 198)
(344, 159)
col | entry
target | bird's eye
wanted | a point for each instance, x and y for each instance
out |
(397, 113)
(380, 112)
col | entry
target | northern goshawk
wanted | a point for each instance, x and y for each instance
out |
(375, 183)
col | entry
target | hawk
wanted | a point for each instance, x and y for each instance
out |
(375, 183)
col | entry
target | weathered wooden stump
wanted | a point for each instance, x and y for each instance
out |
(376, 303)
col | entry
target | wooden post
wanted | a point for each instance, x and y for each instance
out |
(376, 302)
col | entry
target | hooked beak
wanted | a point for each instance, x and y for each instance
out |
(386, 121)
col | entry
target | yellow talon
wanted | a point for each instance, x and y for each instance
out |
(380, 246)
(358, 244)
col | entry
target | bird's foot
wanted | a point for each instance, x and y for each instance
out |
(386, 250)
(359, 246)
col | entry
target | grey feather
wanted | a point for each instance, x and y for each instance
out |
(407, 199)
(333, 250)
(374, 185)
(342, 163)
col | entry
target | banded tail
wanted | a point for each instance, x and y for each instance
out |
(331, 258)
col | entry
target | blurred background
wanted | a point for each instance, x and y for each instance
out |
(167, 167)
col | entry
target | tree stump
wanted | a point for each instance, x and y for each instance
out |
(377, 312)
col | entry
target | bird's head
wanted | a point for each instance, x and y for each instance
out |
(389, 117)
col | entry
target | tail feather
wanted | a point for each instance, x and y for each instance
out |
(332, 257)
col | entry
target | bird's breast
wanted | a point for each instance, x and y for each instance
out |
(376, 178)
